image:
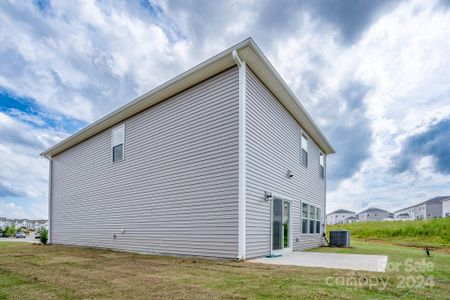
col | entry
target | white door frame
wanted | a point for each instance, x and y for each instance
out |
(290, 238)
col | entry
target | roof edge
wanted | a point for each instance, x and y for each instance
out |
(248, 51)
(342, 211)
(444, 198)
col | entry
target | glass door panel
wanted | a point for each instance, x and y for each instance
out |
(286, 221)
(277, 224)
(281, 211)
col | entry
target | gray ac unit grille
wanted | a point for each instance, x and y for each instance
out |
(340, 238)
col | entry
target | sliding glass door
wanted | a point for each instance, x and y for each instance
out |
(281, 211)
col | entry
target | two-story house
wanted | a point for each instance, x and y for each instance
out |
(374, 214)
(429, 209)
(341, 216)
(221, 161)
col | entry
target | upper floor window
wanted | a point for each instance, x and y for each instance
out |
(118, 138)
(304, 154)
(322, 165)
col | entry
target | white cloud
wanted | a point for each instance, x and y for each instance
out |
(24, 173)
(83, 61)
(77, 56)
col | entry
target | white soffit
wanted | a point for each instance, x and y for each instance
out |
(249, 52)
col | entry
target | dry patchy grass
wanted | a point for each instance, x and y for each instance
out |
(57, 272)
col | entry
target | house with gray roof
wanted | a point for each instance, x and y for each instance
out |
(339, 216)
(350, 220)
(429, 209)
(373, 214)
(221, 161)
(446, 208)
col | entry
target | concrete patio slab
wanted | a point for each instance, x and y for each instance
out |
(362, 262)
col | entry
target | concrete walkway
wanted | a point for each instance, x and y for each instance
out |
(375, 263)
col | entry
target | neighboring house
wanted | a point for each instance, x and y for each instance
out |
(403, 216)
(221, 161)
(373, 214)
(6, 222)
(20, 223)
(446, 208)
(3, 223)
(40, 224)
(429, 209)
(352, 219)
(390, 217)
(339, 216)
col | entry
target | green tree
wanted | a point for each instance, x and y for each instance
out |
(44, 236)
(10, 231)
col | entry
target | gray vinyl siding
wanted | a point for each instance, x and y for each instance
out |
(433, 210)
(273, 148)
(176, 191)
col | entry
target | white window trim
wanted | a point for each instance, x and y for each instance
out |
(302, 218)
(303, 134)
(122, 126)
(321, 155)
(291, 231)
(309, 219)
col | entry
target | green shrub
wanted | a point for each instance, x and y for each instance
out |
(10, 231)
(44, 236)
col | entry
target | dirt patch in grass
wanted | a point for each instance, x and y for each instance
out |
(420, 246)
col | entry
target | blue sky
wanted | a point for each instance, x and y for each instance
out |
(374, 75)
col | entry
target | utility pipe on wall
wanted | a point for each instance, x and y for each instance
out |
(242, 158)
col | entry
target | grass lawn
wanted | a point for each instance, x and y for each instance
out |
(55, 272)
(433, 233)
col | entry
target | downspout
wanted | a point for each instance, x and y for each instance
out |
(242, 154)
(50, 176)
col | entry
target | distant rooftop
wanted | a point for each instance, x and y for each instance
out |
(41, 221)
(373, 209)
(432, 200)
(342, 211)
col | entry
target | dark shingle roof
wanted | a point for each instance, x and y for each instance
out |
(352, 218)
(373, 209)
(342, 211)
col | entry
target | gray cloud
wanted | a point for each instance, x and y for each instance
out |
(83, 61)
(274, 20)
(350, 132)
(21, 137)
(352, 17)
(434, 142)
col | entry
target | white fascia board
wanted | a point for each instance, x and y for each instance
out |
(249, 52)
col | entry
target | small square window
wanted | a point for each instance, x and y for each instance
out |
(118, 138)
(304, 226)
(312, 212)
(304, 150)
(322, 165)
(118, 152)
(305, 210)
(311, 226)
